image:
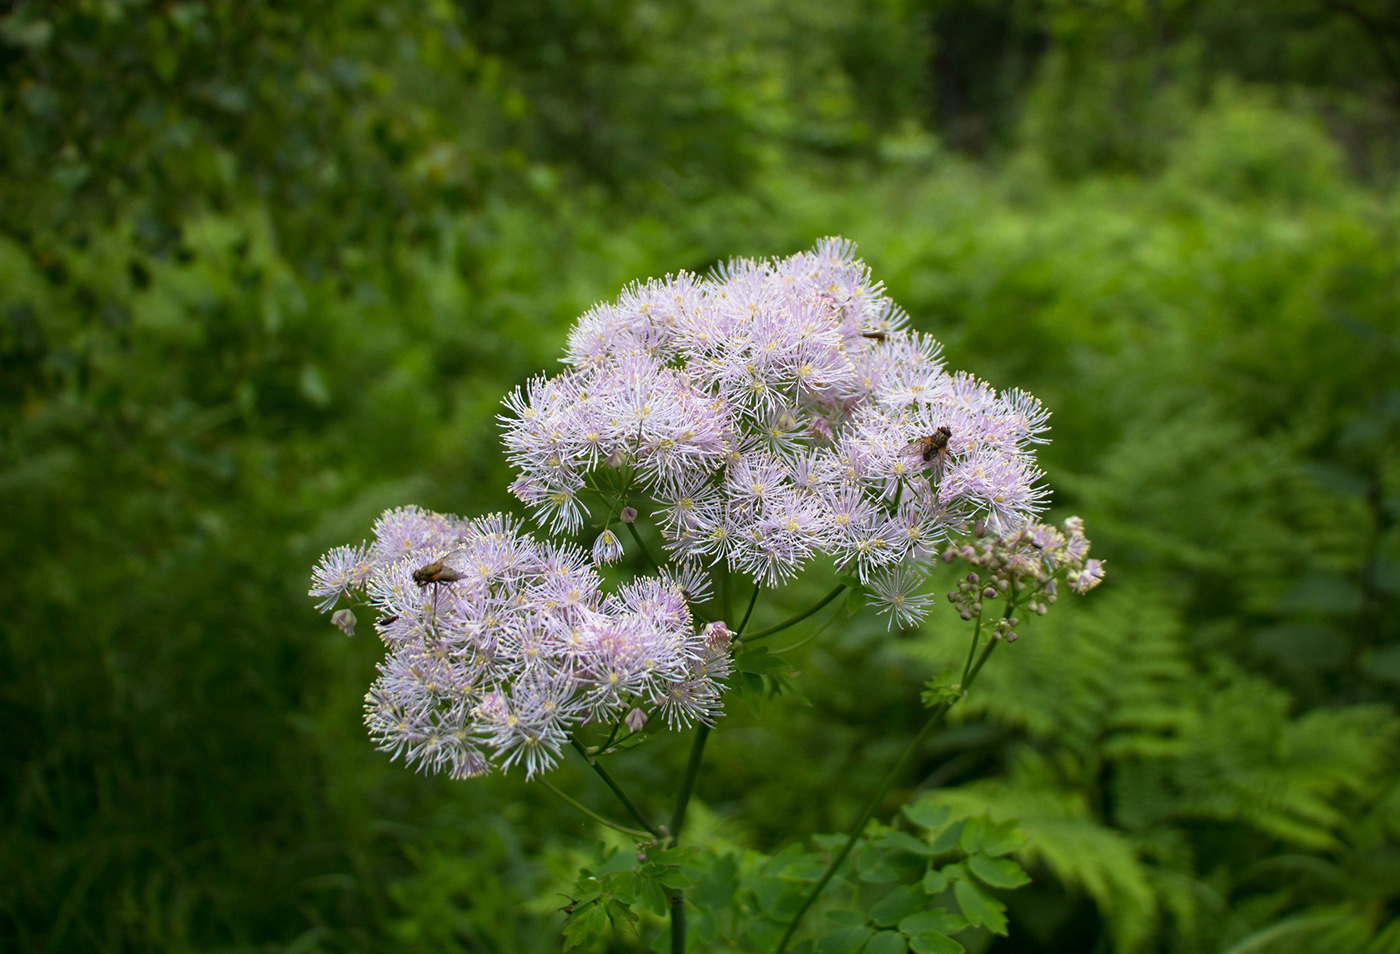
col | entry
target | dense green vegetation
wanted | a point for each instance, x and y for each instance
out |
(266, 269)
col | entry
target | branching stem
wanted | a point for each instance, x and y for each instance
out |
(894, 773)
(627, 803)
(634, 832)
(840, 588)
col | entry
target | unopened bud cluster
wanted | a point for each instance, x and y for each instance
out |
(1023, 566)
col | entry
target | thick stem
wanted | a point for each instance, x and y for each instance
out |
(840, 587)
(692, 770)
(678, 922)
(874, 803)
(634, 832)
(627, 803)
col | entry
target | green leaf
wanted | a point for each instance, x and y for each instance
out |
(760, 661)
(943, 689)
(947, 839)
(886, 942)
(997, 872)
(927, 814)
(613, 862)
(897, 905)
(881, 872)
(752, 691)
(938, 920)
(846, 918)
(980, 908)
(1002, 838)
(585, 926)
(974, 834)
(935, 881)
(931, 942)
(845, 941)
(903, 841)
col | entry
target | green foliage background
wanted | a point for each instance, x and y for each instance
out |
(266, 269)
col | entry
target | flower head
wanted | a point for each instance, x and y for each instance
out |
(501, 646)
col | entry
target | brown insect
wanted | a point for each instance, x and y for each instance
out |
(875, 335)
(933, 449)
(435, 572)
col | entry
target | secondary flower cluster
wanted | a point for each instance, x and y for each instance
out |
(1026, 565)
(500, 646)
(775, 411)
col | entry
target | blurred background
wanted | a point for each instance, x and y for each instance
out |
(266, 269)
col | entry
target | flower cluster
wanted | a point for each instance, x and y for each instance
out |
(772, 412)
(500, 646)
(1025, 565)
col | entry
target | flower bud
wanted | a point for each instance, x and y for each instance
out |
(1011, 637)
(628, 514)
(344, 620)
(717, 636)
(635, 720)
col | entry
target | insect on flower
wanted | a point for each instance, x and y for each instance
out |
(435, 574)
(933, 448)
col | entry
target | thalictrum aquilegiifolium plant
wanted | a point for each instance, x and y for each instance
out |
(772, 418)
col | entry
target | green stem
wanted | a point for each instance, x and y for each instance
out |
(807, 639)
(630, 735)
(692, 770)
(874, 803)
(748, 613)
(627, 803)
(800, 616)
(645, 552)
(678, 922)
(634, 832)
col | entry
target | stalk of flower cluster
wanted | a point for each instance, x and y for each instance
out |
(692, 770)
(793, 621)
(622, 796)
(970, 671)
(634, 832)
